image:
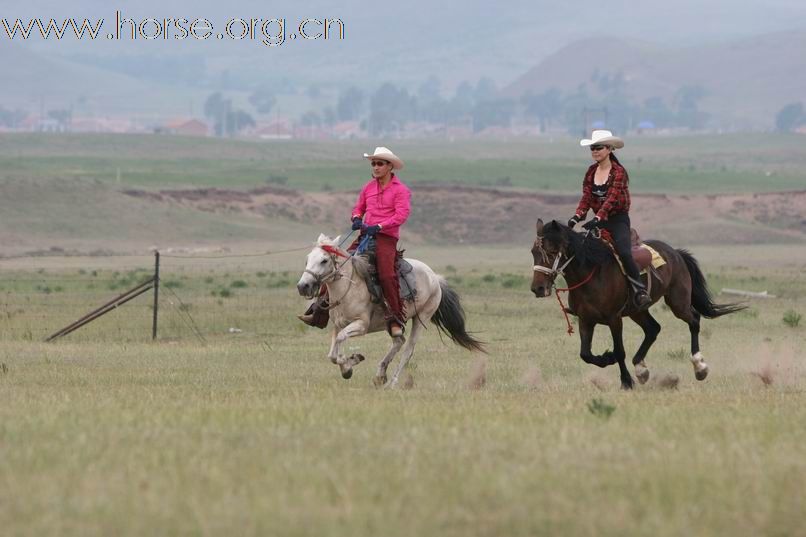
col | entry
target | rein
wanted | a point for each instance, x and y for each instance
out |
(555, 271)
(336, 273)
(570, 329)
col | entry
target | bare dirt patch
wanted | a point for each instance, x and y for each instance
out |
(484, 215)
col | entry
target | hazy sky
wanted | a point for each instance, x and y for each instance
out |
(420, 36)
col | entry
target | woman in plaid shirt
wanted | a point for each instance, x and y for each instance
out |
(605, 191)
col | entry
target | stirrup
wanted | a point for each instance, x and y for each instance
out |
(642, 298)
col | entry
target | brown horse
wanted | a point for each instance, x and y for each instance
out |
(602, 295)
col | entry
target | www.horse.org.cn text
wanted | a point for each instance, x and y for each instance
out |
(271, 32)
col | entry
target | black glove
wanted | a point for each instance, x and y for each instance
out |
(593, 224)
(356, 223)
(574, 220)
(372, 230)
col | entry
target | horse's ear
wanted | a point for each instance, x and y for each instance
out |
(322, 238)
(539, 227)
(337, 240)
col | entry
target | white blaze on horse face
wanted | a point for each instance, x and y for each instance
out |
(316, 266)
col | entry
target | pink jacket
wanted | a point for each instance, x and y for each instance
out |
(389, 207)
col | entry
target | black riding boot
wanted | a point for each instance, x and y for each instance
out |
(641, 297)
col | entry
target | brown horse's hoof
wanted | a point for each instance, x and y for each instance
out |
(641, 372)
(701, 374)
(347, 375)
(379, 381)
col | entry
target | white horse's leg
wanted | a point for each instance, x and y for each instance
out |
(355, 328)
(333, 354)
(380, 376)
(408, 351)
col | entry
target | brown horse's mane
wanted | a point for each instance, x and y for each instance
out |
(588, 251)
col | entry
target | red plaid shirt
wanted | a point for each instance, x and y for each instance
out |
(618, 194)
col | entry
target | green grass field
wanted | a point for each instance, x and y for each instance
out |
(680, 165)
(255, 432)
(250, 430)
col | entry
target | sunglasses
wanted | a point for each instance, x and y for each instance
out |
(378, 163)
(597, 147)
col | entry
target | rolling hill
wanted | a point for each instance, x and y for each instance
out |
(747, 81)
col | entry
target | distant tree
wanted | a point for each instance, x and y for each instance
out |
(63, 115)
(237, 121)
(493, 113)
(654, 109)
(311, 119)
(329, 116)
(11, 118)
(545, 107)
(263, 100)
(349, 105)
(215, 105)
(485, 89)
(429, 90)
(688, 112)
(390, 108)
(790, 117)
(227, 121)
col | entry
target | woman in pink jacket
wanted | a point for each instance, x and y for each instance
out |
(382, 207)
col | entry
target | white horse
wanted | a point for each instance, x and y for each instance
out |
(353, 313)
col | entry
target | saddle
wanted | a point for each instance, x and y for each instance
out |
(407, 283)
(645, 256)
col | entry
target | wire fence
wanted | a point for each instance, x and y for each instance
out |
(200, 296)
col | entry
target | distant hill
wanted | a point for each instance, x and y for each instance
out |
(747, 81)
(32, 80)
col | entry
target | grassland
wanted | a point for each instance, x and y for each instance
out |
(250, 430)
(105, 432)
(708, 164)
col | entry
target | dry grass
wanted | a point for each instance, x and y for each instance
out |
(478, 374)
(257, 431)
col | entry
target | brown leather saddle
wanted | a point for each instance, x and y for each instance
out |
(405, 274)
(642, 256)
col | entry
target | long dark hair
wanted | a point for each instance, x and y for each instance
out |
(614, 159)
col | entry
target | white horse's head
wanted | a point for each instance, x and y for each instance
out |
(321, 266)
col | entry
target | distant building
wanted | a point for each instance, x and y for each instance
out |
(184, 127)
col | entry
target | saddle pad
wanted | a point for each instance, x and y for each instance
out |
(643, 255)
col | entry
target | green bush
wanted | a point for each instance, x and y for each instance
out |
(792, 318)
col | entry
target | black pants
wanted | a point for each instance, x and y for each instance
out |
(619, 227)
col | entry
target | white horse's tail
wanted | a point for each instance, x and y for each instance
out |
(450, 319)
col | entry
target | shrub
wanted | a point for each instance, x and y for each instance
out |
(792, 318)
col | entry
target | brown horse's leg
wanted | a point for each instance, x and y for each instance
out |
(651, 329)
(618, 353)
(586, 328)
(679, 301)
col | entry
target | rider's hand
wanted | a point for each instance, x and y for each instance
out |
(574, 220)
(356, 223)
(593, 224)
(372, 230)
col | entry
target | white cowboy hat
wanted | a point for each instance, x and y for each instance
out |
(383, 153)
(603, 137)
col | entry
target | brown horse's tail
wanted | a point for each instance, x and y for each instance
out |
(450, 319)
(701, 299)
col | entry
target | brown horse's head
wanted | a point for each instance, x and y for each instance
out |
(548, 251)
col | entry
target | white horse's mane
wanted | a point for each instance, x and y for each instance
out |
(360, 263)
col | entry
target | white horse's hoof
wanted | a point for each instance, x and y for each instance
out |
(379, 381)
(391, 385)
(641, 372)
